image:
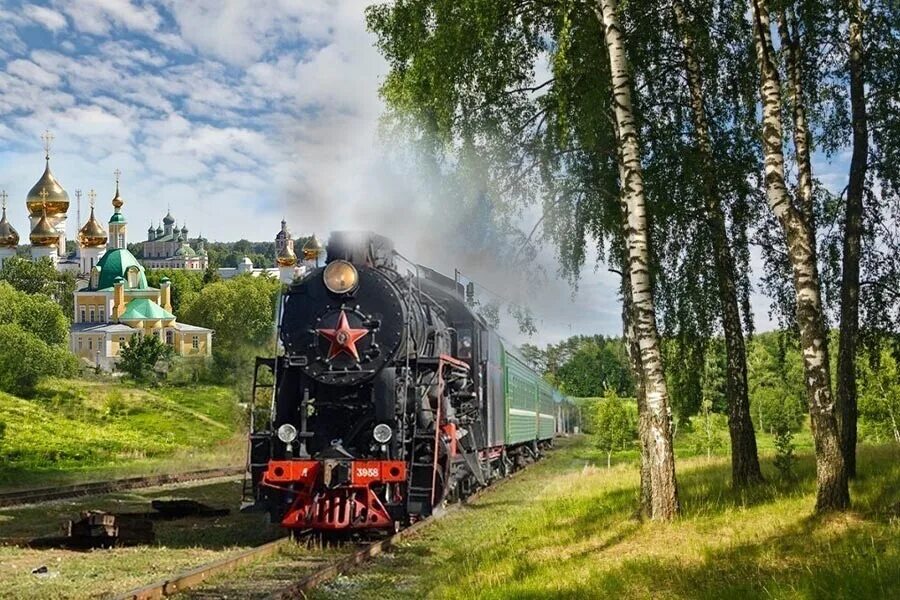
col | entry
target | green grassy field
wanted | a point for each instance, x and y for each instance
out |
(565, 529)
(76, 430)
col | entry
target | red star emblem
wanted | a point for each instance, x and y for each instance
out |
(343, 338)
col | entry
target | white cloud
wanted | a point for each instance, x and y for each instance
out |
(235, 113)
(32, 73)
(45, 17)
(101, 17)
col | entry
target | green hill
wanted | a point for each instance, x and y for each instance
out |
(74, 429)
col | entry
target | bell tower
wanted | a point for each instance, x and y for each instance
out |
(118, 226)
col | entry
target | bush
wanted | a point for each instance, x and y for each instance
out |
(25, 359)
(140, 355)
(191, 370)
(708, 433)
(35, 313)
(782, 430)
(613, 425)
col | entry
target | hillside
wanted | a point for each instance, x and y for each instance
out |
(74, 429)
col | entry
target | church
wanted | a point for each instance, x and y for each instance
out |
(168, 247)
(117, 302)
(114, 301)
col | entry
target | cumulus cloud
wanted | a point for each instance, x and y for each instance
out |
(233, 114)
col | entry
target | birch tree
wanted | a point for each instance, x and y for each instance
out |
(744, 458)
(795, 219)
(850, 259)
(663, 485)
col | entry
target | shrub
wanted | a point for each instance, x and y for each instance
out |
(25, 359)
(782, 430)
(613, 425)
(140, 355)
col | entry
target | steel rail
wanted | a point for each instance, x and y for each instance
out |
(194, 577)
(197, 576)
(35, 496)
(298, 590)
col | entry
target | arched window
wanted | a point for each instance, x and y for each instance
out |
(134, 277)
(95, 277)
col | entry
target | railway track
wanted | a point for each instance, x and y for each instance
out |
(298, 590)
(34, 496)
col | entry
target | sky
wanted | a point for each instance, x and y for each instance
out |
(234, 114)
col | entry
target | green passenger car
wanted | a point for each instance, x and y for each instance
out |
(530, 406)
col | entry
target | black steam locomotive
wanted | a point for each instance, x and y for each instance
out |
(391, 396)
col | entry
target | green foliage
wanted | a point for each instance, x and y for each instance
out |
(185, 284)
(783, 424)
(242, 313)
(584, 366)
(708, 432)
(140, 355)
(41, 277)
(230, 254)
(35, 313)
(190, 370)
(25, 359)
(879, 397)
(614, 428)
(775, 380)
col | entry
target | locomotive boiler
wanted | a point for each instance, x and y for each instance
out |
(390, 396)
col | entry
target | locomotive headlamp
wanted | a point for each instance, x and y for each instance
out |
(340, 277)
(382, 433)
(287, 433)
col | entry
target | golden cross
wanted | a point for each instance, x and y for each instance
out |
(47, 138)
(92, 195)
(117, 173)
(3, 198)
(43, 195)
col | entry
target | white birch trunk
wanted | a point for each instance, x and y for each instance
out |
(663, 486)
(832, 492)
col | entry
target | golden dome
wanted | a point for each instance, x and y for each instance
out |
(56, 199)
(9, 237)
(117, 201)
(43, 233)
(312, 248)
(92, 234)
(286, 256)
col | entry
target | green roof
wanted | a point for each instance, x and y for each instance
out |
(186, 250)
(115, 263)
(117, 218)
(144, 309)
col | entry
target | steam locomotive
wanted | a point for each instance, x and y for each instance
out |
(390, 397)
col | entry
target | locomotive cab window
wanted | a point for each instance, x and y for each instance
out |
(464, 342)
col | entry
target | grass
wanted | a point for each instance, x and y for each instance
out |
(181, 544)
(75, 430)
(565, 529)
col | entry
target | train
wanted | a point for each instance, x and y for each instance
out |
(389, 397)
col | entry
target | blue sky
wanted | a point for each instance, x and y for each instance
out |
(234, 114)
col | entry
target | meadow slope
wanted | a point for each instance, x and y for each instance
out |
(74, 430)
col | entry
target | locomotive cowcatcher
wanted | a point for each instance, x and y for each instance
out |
(389, 397)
